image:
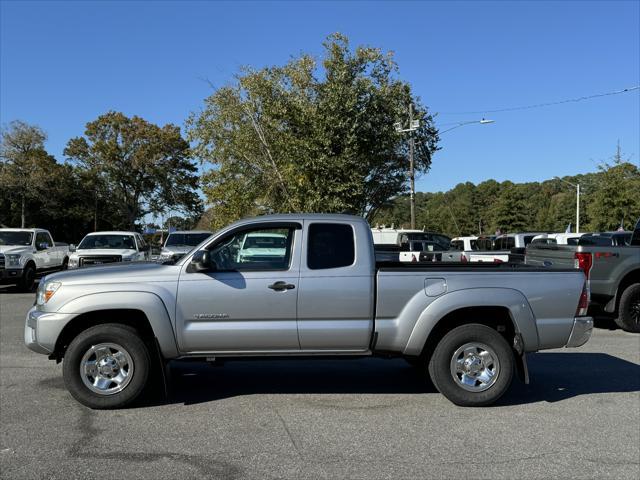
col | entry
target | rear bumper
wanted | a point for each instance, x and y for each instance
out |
(581, 331)
(10, 275)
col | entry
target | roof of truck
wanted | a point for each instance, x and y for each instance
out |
(23, 230)
(111, 233)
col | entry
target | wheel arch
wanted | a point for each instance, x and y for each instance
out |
(629, 279)
(149, 316)
(494, 307)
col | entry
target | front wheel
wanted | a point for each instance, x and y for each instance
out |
(629, 310)
(472, 365)
(106, 366)
(28, 279)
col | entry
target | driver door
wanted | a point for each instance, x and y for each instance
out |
(41, 255)
(248, 302)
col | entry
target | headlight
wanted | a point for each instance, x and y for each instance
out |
(127, 259)
(13, 260)
(46, 291)
(73, 262)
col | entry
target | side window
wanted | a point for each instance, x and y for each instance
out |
(330, 245)
(457, 245)
(42, 237)
(259, 249)
(510, 242)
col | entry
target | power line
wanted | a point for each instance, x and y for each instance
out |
(546, 104)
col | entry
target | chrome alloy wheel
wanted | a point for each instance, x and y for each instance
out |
(475, 367)
(106, 368)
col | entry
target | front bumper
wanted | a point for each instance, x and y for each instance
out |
(10, 275)
(581, 331)
(42, 329)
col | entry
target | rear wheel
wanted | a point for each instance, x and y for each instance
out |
(629, 309)
(106, 366)
(472, 365)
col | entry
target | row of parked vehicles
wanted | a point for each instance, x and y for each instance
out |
(27, 253)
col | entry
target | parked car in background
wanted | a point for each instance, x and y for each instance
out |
(612, 267)
(390, 242)
(423, 251)
(26, 253)
(606, 239)
(179, 243)
(509, 247)
(99, 248)
(321, 293)
(262, 247)
(557, 238)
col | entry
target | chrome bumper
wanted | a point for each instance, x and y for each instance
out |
(581, 331)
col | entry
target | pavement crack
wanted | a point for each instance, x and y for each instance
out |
(211, 468)
(291, 437)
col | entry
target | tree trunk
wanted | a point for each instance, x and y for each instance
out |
(22, 212)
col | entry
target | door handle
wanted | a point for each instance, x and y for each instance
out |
(281, 286)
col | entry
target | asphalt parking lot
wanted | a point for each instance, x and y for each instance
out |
(370, 418)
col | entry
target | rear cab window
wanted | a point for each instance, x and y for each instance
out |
(330, 245)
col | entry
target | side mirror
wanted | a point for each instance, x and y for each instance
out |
(202, 262)
(72, 248)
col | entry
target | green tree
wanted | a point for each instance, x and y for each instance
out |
(142, 167)
(615, 196)
(25, 165)
(296, 138)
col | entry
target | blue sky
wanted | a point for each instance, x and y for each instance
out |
(64, 63)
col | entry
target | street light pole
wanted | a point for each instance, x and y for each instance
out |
(578, 208)
(411, 171)
(577, 187)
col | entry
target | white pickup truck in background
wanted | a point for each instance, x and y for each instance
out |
(28, 252)
(99, 248)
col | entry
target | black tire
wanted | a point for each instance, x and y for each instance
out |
(441, 361)
(28, 279)
(629, 309)
(112, 333)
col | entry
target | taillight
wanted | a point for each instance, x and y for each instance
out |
(463, 258)
(583, 262)
(583, 304)
(497, 260)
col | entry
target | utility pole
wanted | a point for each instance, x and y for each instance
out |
(411, 171)
(413, 125)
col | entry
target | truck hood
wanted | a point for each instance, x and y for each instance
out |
(7, 249)
(124, 252)
(173, 250)
(137, 272)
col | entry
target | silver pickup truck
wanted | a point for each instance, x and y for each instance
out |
(319, 293)
(613, 272)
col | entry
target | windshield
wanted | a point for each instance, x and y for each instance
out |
(16, 238)
(108, 241)
(186, 239)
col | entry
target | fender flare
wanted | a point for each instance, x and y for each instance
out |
(517, 304)
(147, 302)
